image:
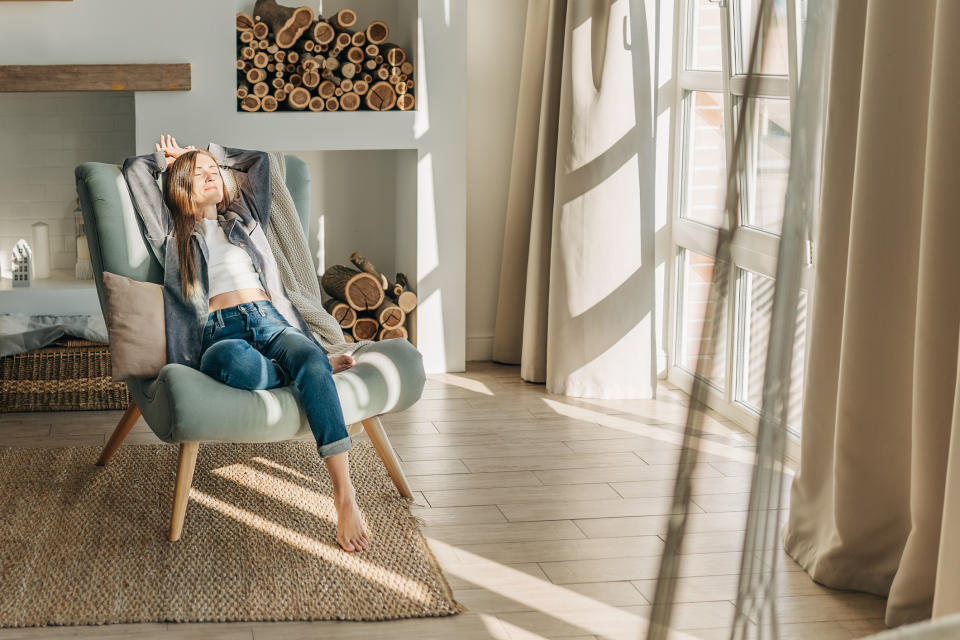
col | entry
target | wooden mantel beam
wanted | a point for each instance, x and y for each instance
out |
(95, 77)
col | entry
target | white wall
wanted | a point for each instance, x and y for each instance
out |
(43, 137)
(349, 192)
(494, 50)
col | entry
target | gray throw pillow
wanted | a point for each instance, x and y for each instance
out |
(135, 325)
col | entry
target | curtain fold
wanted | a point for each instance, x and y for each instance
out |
(871, 508)
(520, 333)
(575, 305)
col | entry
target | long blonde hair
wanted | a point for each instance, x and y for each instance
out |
(178, 194)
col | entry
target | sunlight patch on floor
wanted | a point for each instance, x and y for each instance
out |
(738, 454)
(569, 607)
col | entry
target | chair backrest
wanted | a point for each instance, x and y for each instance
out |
(113, 231)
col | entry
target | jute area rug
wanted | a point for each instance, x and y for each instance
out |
(81, 544)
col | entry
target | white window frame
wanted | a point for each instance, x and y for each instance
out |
(753, 249)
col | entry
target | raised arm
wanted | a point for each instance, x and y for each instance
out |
(254, 186)
(141, 173)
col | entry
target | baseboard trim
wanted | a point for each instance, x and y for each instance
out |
(479, 348)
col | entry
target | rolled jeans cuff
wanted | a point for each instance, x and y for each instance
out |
(333, 448)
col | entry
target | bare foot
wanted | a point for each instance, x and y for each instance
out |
(341, 363)
(351, 533)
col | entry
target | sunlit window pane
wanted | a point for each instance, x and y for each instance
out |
(705, 171)
(768, 162)
(704, 52)
(754, 314)
(773, 52)
(696, 319)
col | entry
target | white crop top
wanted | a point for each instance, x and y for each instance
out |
(229, 267)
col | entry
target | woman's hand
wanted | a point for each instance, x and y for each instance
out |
(171, 150)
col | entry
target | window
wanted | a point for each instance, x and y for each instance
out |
(714, 43)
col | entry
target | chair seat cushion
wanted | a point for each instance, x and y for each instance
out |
(183, 404)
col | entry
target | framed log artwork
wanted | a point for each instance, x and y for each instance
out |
(289, 59)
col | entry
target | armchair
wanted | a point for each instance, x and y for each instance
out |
(186, 407)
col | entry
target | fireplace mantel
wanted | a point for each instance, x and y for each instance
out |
(95, 77)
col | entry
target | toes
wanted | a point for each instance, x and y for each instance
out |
(347, 545)
(362, 542)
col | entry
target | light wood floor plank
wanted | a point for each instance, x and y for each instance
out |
(468, 576)
(481, 514)
(739, 455)
(702, 588)
(633, 473)
(654, 488)
(531, 597)
(410, 428)
(482, 450)
(555, 550)
(506, 532)
(539, 463)
(424, 467)
(582, 509)
(445, 439)
(639, 568)
(501, 496)
(655, 525)
(474, 480)
(446, 413)
(482, 425)
(835, 606)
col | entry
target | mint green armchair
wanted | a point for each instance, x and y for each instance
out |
(185, 406)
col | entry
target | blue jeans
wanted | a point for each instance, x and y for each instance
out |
(251, 346)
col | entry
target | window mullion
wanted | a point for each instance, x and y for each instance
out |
(793, 52)
(702, 81)
(681, 16)
(765, 87)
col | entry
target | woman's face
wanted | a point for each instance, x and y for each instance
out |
(207, 182)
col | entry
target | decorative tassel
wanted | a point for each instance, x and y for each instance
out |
(84, 267)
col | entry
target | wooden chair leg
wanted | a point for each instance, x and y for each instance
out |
(378, 436)
(181, 493)
(127, 420)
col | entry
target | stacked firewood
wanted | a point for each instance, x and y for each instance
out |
(366, 304)
(289, 60)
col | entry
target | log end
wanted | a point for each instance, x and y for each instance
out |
(378, 32)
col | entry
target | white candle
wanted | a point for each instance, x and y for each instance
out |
(41, 250)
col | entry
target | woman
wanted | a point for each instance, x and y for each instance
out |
(216, 258)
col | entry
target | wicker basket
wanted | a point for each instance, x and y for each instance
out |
(68, 375)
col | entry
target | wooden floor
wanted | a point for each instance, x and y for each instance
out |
(547, 514)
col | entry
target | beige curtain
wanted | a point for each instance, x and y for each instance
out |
(876, 504)
(575, 308)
